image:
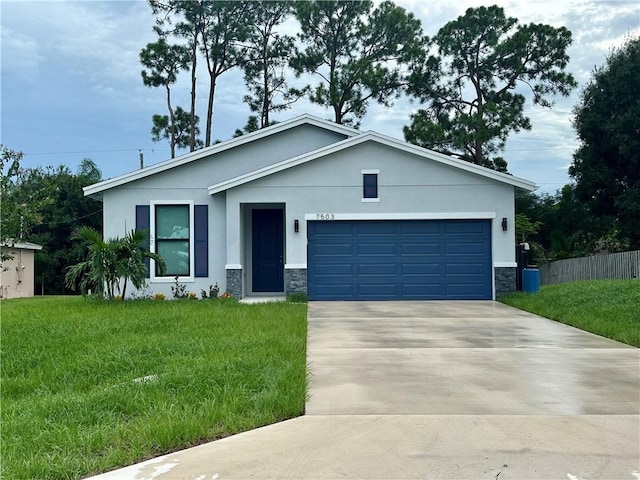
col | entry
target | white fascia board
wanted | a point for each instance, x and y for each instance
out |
(324, 216)
(97, 188)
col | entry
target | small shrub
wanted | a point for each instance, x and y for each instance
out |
(179, 290)
(192, 296)
(225, 295)
(212, 293)
(159, 296)
(142, 293)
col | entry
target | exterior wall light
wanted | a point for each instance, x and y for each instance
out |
(504, 224)
(296, 225)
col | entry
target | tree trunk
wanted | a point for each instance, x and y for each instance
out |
(264, 121)
(192, 126)
(212, 94)
(172, 123)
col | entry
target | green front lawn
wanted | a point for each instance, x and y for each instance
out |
(88, 386)
(610, 308)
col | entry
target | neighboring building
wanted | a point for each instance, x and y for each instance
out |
(308, 205)
(17, 276)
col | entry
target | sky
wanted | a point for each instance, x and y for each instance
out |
(71, 86)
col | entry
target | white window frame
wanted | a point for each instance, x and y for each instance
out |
(152, 242)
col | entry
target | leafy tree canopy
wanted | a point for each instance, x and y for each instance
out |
(357, 53)
(473, 85)
(606, 166)
(43, 206)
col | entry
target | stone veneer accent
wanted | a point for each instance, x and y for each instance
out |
(505, 278)
(234, 282)
(295, 280)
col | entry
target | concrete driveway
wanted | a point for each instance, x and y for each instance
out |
(440, 390)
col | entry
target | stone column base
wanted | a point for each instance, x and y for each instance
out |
(234, 282)
(505, 278)
(295, 280)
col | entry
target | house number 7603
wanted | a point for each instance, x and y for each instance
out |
(325, 216)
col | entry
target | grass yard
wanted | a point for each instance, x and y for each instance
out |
(88, 386)
(610, 308)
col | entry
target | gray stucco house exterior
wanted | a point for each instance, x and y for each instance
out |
(308, 205)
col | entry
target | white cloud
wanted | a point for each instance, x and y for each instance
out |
(20, 55)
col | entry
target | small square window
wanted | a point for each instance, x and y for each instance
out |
(369, 185)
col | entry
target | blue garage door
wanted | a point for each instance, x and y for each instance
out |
(399, 259)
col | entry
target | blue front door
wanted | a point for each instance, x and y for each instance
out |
(267, 250)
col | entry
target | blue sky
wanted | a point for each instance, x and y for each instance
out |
(71, 85)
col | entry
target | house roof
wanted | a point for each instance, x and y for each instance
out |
(96, 189)
(354, 137)
(378, 138)
(21, 245)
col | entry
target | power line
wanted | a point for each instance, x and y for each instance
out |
(74, 219)
(94, 151)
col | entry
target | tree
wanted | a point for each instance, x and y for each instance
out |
(110, 264)
(163, 62)
(181, 128)
(268, 55)
(21, 208)
(225, 28)
(43, 205)
(606, 166)
(356, 52)
(251, 126)
(471, 86)
(190, 29)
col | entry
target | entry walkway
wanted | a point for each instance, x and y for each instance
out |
(440, 390)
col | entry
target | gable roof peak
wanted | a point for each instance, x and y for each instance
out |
(96, 189)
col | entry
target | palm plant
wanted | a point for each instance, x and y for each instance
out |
(108, 262)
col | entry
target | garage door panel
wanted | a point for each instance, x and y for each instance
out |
(464, 227)
(465, 269)
(419, 290)
(376, 290)
(376, 249)
(418, 228)
(432, 248)
(464, 248)
(335, 269)
(456, 290)
(374, 228)
(412, 259)
(377, 269)
(421, 269)
(332, 249)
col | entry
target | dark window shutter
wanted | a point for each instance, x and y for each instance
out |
(201, 240)
(143, 222)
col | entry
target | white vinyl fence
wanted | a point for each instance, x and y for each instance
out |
(614, 265)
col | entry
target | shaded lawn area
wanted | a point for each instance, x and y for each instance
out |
(610, 308)
(88, 385)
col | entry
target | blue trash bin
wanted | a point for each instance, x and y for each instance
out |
(530, 280)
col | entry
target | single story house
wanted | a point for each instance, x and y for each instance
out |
(308, 205)
(17, 275)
